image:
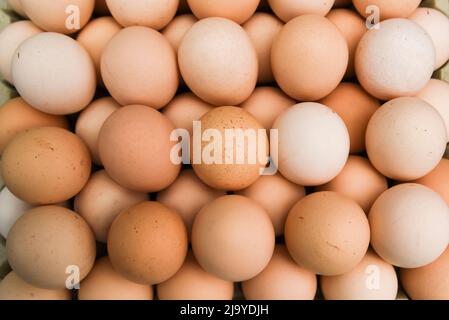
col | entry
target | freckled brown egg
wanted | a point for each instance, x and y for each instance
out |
(218, 61)
(238, 11)
(45, 165)
(289, 9)
(297, 57)
(46, 243)
(327, 233)
(147, 243)
(386, 8)
(437, 179)
(135, 149)
(177, 28)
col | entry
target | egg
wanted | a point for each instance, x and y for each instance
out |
(297, 57)
(327, 233)
(401, 234)
(45, 165)
(104, 283)
(17, 6)
(49, 244)
(395, 60)
(437, 179)
(147, 243)
(286, 10)
(313, 144)
(11, 209)
(218, 61)
(177, 28)
(138, 66)
(191, 282)
(233, 238)
(405, 139)
(238, 11)
(387, 9)
(282, 279)
(134, 146)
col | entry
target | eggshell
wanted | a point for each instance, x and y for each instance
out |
(17, 6)
(54, 73)
(138, 66)
(134, 146)
(405, 139)
(437, 179)
(154, 14)
(218, 61)
(191, 282)
(282, 279)
(387, 9)
(286, 10)
(45, 242)
(313, 144)
(238, 11)
(233, 238)
(395, 60)
(371, 279)
(177, 28)
(401, 234)
(147, 243)
(327, 233)
(11, 209)
(104, 283)
(45, 165)
(300, 66)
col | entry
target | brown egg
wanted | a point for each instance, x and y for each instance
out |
(437, 179)
(287, 10)
(191, 282)
(91, 120)
(277, 196)
(262, 28)
(238, 11)
(102, 200)
(371, 279)
(147, 243)
(17, 116)
(297, 57)
(134, 146)
(14, 288)
(386, 8)
(187, 195)
(359, 181)
(101, 8)
(233, 238)
(244, 166)
(355, 107)
(218, 61)
(104, 283)
(327, 233)
(45, 165)
(50, 246)
(177, 28)
(138, 66)
(282, 279)
(62, 16)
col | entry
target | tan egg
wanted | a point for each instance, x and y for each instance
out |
(104, 283)
(266, 104)
(191, 282)
(95, 36)
(356, 107)
(101, 8)
(238, 11)
(386, 8)
(135, 148)
(342, 3)
(14, 288)
(102, 200)
(401, 234)
(352, 26)
(63, 16)
(218, 61)
(90, 121)
(297, 57)
(17, 6)
(49, 243)
(17, 116)
(184, 109)
(45, 165)
(395, 60)
(405, 139)
(262, 28)
(282, 279)
(177, 28)
(437, 179)
(187, 195)
(371, 279)
(147, 243)
(277, 196)
(359, 181)
(154, 14)
(234, 165)
(233, 238)
(327, 233)
(286, 10)
(54, 73)
(138, 66)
